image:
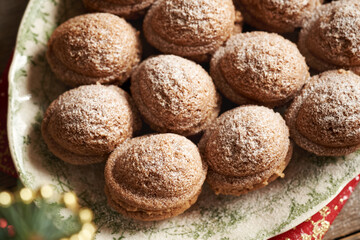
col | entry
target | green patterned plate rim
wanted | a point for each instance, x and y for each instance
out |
(310, 182)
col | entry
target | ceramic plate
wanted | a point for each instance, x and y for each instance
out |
(310, 183)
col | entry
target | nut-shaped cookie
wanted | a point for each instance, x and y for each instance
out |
(154, 177)
(94, 48)
(245, 149)
(174, 94)
(331, 38)
(189, 28)
(277, 16)
(259, 68)
(83, 125)
(129, 9)
(325, 118)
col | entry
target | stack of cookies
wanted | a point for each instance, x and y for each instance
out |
(148, 131)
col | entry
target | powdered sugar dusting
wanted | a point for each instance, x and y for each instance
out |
(168, 160)
(332, 109)
(175, 93)
(156, 172)
(332, 34)
(245, 141)
(194, 22)
(188, 27)
(324, 117)
(90, 120)
(260, 66)
(96, 45)
(277, 15)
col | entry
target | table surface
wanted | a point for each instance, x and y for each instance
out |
(346, 226)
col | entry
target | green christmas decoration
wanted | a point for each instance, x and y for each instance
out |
(30, 215)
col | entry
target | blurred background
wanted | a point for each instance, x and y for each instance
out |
(11, 12)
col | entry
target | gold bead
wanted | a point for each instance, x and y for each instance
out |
(46, 192)
(86, 215)
(74, 237)
(70, 201)
(85, 235)
(89, 227)
(6, 199)
(27, 195)
(64, 239)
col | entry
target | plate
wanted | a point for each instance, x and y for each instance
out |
(310, 182)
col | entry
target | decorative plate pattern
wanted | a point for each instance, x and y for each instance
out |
(310, 183)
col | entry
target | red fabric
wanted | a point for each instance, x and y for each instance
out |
(313, 228)
(6, 163)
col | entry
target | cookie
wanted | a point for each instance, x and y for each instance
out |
(94, 48)
(175, 95)
(245, 149)
(259, 68)
(85, 124)
(129, 9)
(331, 38)
(192, 29)
(324, 118)
(277, 15)
(154, 177)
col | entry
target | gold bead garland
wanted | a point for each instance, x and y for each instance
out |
(6, 199)
(46, 192)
